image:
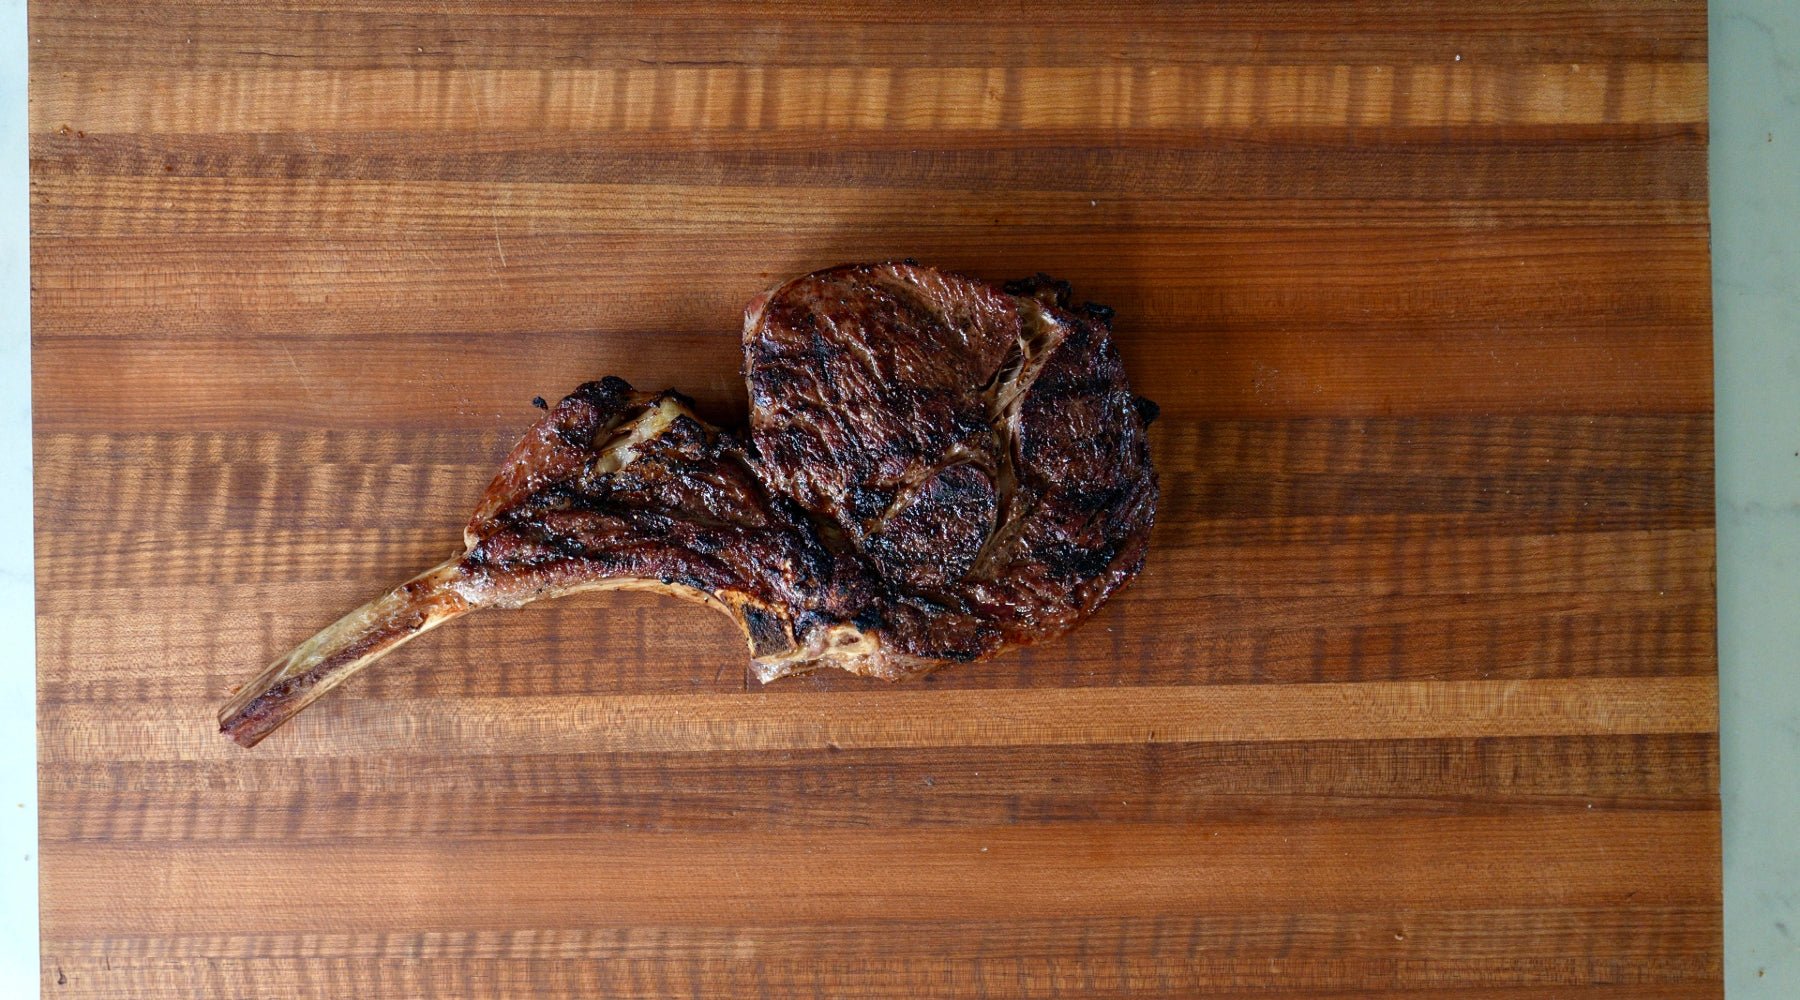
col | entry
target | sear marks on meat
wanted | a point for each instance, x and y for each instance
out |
(935, 469)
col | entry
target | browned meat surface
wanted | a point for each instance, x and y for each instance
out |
(935, 469)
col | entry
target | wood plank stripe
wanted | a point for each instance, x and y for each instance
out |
(1647, 933)
(217, 36)
(406, 797)
(1502, 283)
(891, 98)
(1201, 508)
(1571, 859)
(1591, 562)
(783, 720)
(167, 205)
(1447, 448)
(1100, 977)
(1306, 164)
(1345, 480)
(478, 381)
(902, 16)
(124, 648)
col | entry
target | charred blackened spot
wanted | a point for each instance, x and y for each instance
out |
(971, 419)
(867, 503)
(823, 353)
(552, 498)
(1090, 500)
(1079, 340)
(959, 484)
(764, 355)
(810, 619)
(607, 394)
(1099, 313)
(706, 541)
(652, 525)
(567, 545)
(538, 401)
(684, 430)
(1042, 287)
(1147, 410)
(868, 619)
(683, 580)
(1069, 560)
(1059, 383)
(677, 396)
(574, 436)
(767, 636)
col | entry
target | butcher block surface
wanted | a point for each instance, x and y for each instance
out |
(1416, 694)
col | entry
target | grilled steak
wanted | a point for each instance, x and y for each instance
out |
(935, 469)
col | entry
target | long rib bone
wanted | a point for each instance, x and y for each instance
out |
(344, 647)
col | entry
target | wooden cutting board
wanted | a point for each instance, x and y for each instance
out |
(1416, 695)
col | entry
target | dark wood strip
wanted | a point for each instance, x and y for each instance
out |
(1078, 974)
(402, 798)
(1199, 508)
(476, 382)
(1595, 562)
(426, 37)
(600, 101)
(131, 648)
(1375, 277)
(1657, 161)
(1591, 444)
(1221, 483)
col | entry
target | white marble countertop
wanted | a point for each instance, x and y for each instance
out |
(1755, 70)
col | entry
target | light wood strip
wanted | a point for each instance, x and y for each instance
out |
(1310, 165)
(1581, 859)
(170, 205)
(777, 720)
(1646, 933)
(903, 98)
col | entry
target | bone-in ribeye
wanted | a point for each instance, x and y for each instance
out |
(935, 469)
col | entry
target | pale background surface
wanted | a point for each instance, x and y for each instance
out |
(18, 695)
(1756, 207)
(1755, 72)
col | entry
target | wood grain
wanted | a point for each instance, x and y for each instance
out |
(1416, 695)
